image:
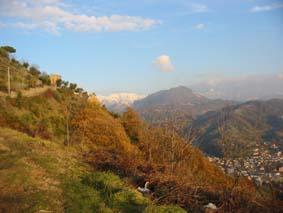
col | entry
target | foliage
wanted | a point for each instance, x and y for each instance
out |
(45, 79)
(21, 78)
(132, 125)
(95, 127)
(9, 49)
(42, 175)
(34, 71)
(36, 116)
(26, 65)
(244, 126)
(4, 53)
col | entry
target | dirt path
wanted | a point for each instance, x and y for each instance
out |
(29, 93)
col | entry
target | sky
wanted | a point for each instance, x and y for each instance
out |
(143, 46)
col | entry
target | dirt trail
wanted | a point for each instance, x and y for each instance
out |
(29, 93)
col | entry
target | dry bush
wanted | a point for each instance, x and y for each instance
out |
(178, 173)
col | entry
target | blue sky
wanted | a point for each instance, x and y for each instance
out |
(145, 45)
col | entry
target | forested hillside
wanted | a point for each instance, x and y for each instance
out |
(240, 128)
(61, 152)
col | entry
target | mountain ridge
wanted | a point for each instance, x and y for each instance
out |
(248, 123)
(179, 105)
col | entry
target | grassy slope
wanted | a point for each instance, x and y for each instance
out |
(36, 174)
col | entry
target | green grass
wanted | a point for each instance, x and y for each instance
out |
(36, 174)
(106, 192)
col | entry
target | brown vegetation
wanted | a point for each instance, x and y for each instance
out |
(178, 173)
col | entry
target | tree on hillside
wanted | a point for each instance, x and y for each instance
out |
(45, 78)
(133, 125)
(9, 49)
(79, 90)
(65, 83)
(34, 71)
(73, 86)
(26, 65)
(72, 105)
(59, 83)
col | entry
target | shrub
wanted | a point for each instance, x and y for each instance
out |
(45, 79)
(34, 71)
(73, 86)
(4, 53)
(129, 201)
(26, 65)
(82, 198)
(9, 49)
(106, 182)
(115, 193)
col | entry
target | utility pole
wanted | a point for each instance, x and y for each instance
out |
(9, 82)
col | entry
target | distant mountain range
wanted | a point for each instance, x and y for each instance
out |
(175, 96)
(239, 128)
(179, 105)
(218, 125)
(117, 102)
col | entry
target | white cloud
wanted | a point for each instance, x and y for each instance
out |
(199, 26)
(265, 8)
(163, 63)
(241, 87)
(199, 8)
(52, 16)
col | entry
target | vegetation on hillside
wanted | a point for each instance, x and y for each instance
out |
(37, 174)
(91, 159)
(240, 128)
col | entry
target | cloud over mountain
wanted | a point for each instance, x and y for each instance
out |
(163, 63)
(241, 88)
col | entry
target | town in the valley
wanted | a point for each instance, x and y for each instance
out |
(263, 166)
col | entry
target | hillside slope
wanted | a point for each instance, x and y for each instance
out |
(22, 75)
(36, 175)
(244, 126)
(72, 144)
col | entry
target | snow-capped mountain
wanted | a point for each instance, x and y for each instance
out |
(119, 101)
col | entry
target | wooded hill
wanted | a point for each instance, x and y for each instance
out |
(240, 128)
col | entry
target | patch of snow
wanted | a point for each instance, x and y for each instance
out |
(120, 98)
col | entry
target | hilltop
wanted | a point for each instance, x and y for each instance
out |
(179, 105)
